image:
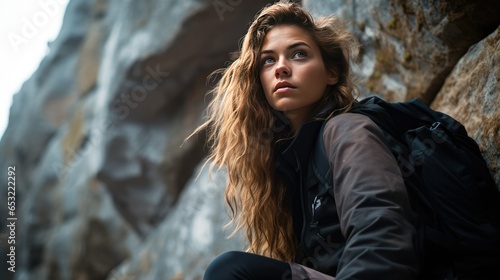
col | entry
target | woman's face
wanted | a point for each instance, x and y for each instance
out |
(292, 72)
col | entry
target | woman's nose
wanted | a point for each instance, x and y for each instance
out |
(282, 69)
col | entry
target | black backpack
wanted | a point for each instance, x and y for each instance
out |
(455, 201)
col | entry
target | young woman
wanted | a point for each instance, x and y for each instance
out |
(293, 75)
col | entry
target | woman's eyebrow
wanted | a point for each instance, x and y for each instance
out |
(292, 46)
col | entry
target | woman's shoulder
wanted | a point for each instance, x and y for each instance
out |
(348, 120)
(350, 127)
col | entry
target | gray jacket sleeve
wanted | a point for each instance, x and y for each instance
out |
(372, 202)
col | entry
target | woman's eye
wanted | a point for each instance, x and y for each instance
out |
(299, 54)
(267, 60)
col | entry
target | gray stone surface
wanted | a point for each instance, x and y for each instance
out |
(191, 235)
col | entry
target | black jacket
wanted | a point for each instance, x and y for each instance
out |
(359, 227)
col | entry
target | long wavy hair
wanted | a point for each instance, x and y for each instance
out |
(242, 132)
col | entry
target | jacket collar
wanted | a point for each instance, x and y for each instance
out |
(298, 150)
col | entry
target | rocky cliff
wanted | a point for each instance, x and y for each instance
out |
(105, 188)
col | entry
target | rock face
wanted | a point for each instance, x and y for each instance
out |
(105, 186)
(189, 237)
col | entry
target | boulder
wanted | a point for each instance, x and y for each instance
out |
(471, 94)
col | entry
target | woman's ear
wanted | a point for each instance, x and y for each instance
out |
(333, 76)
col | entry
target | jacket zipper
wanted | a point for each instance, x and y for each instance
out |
(303, 205)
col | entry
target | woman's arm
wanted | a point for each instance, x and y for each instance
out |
(372, 202)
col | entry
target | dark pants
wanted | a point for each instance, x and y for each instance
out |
(236, 265)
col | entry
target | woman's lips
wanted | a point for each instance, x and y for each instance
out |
(283, 86)
(283, 89)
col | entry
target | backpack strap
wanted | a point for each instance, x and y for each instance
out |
(320, 162)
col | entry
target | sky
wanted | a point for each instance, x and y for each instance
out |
(26, 27)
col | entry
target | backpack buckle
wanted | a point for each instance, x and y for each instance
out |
(436, 125)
